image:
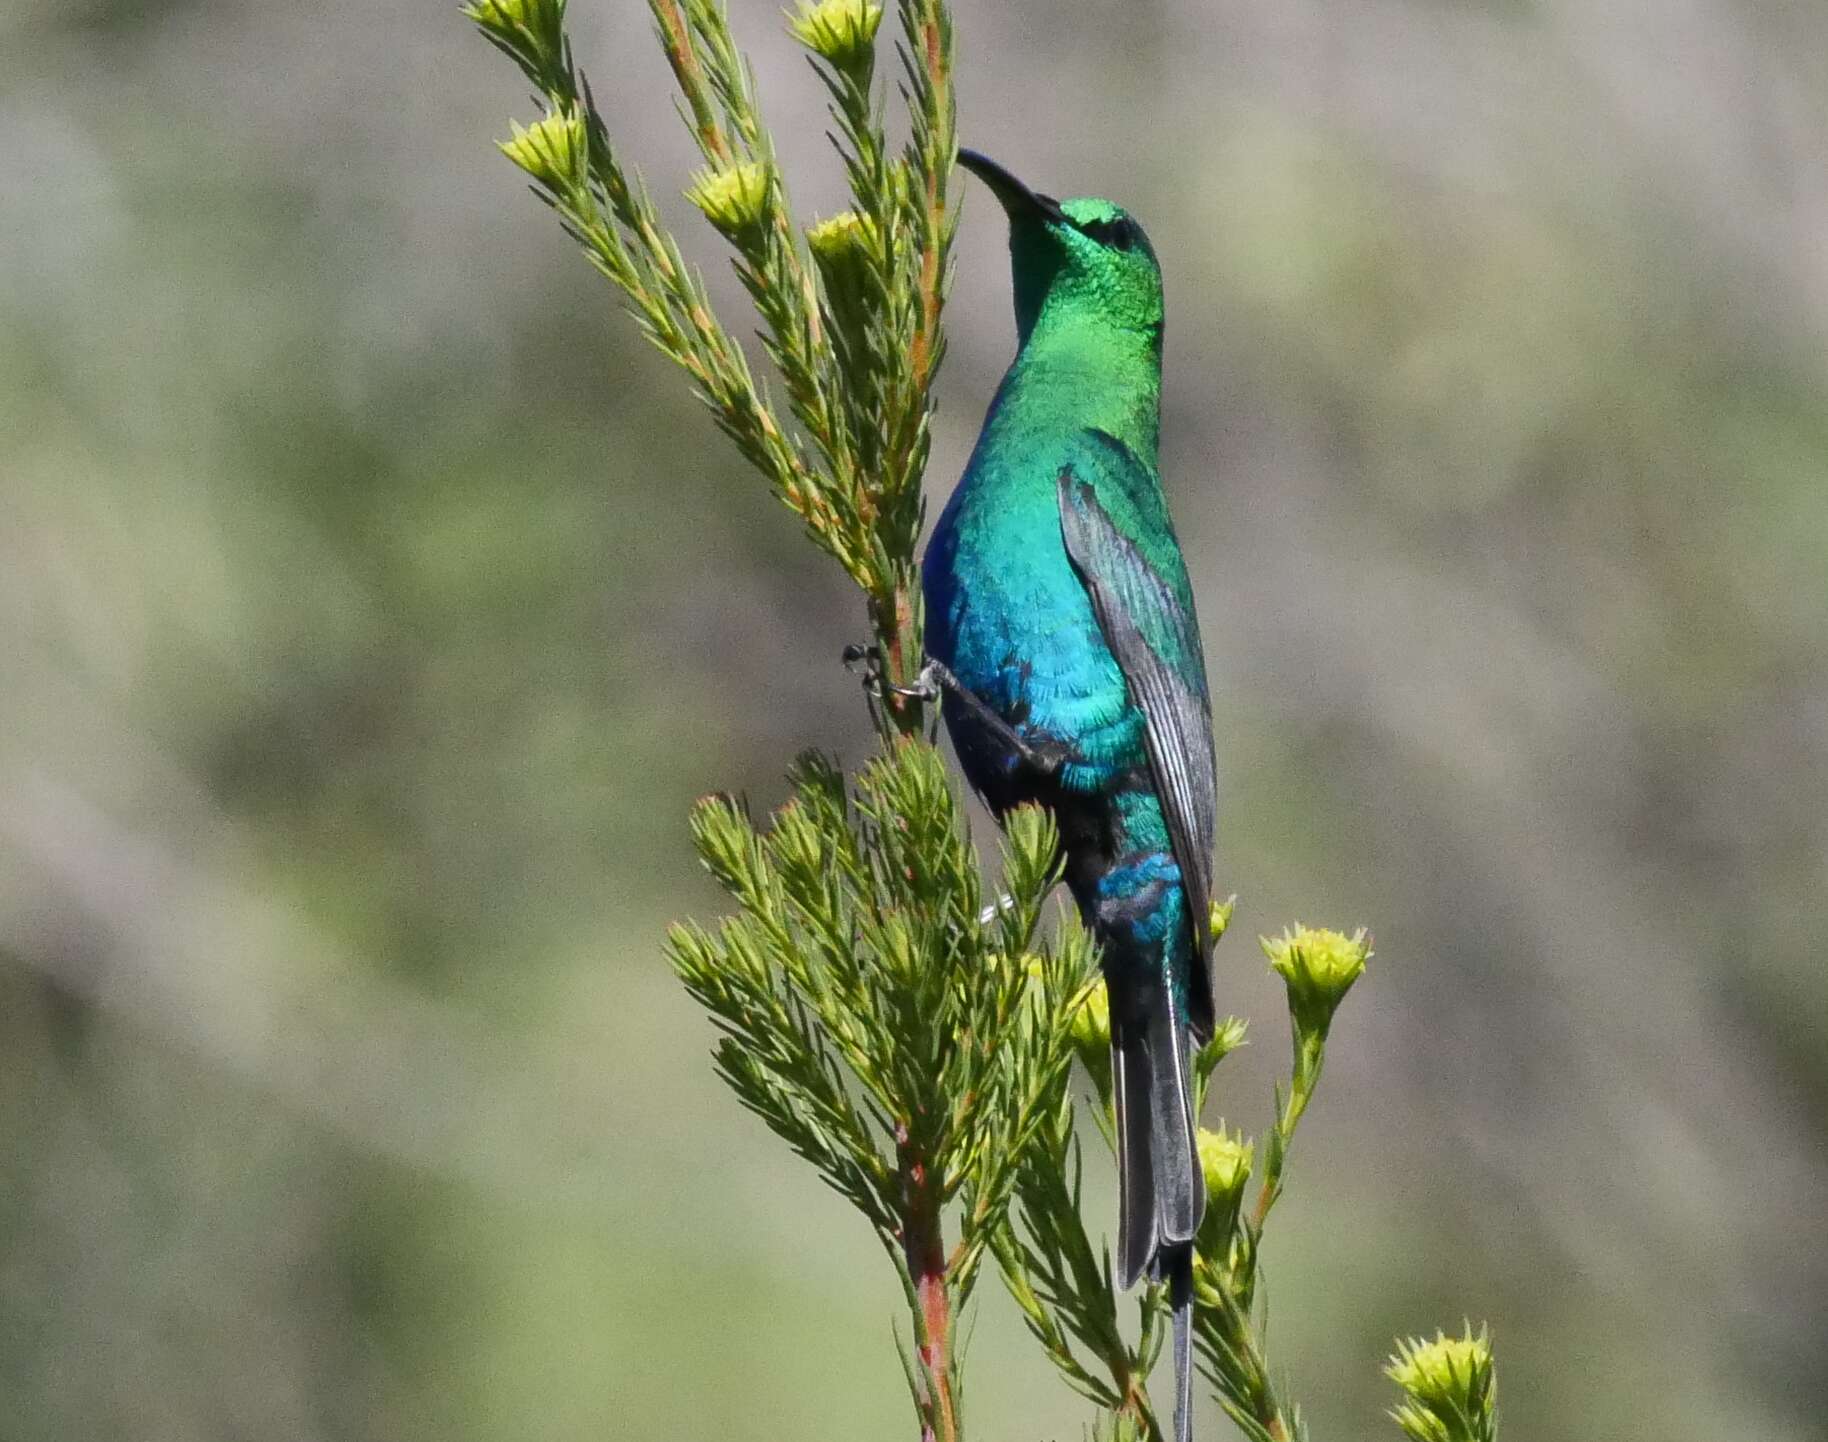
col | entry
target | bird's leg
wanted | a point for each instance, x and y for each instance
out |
(1046, 758)
(935, 677)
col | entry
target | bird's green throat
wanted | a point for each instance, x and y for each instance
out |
(1089, 311)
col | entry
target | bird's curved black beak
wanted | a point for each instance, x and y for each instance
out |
(1017, 199)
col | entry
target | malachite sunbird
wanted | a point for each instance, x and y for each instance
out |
(1061, 623)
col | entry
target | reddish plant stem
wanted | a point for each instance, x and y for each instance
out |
(902, 658)
(676, 37)
(924, 1253)
(936, 63)
(1135, 1395)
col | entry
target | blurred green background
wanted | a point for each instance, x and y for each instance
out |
(373, 604)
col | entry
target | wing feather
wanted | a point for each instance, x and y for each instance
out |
(1148, 622)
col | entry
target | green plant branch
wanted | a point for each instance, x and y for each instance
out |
(857, 488)
(1318, 968)
(717, 82)
(1231, 1350)
(878, 1026)
(933, 150)
(1063, 1285)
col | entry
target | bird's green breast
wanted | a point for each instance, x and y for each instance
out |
(1005, 608)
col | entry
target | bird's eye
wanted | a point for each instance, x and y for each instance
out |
(1118, 234)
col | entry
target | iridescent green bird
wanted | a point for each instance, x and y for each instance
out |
(1061, 624)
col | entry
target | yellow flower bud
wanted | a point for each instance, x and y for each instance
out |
(842, 238)
(734, 199)
(522, 27)
(843, 250)
(1225, 1163)
(554, 150)
(1220, 917)
(1451, 1386)
(1319, 968)
(842, 32)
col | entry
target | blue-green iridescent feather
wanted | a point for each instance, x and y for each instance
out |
(1058, 597)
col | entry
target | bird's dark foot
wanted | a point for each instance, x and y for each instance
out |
(926, 685)
(869, 658)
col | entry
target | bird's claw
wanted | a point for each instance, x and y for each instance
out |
(857, 652)
(925, 687)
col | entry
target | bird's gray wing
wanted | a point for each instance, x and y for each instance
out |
(1122, 543)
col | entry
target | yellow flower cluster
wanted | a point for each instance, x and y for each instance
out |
(1225, 1163)
(1319, 968)
(836, 240)
(554, 150)
(734, 198)
(1219, 918)
(522, 25)
(840, 31)
(1451, 1386)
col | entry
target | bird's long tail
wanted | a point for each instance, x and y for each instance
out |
(1161, 1195)
(1177, 1267)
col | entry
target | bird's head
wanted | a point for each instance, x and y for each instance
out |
(1080, 259)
